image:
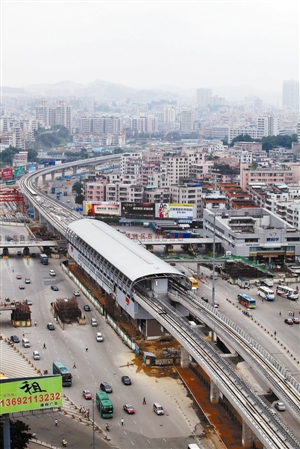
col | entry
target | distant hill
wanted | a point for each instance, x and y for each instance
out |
(107, 91)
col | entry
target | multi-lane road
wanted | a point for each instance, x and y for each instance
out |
(105, 361)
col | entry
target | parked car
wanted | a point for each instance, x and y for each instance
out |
(126, 380)
(14, 339)
(87, 394)
(129, 409)
(86, 308)
(52, 273)
(50, 326)
(280, 406)
(29, 302)
(104, 386)
(55, 288)
(76, 293)
(204, 298)
(296, 320)
(289, 321)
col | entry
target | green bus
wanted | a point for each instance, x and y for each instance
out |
(104, 405)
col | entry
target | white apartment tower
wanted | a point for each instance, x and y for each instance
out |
(267, 126)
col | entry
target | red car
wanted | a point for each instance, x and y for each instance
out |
(129, 409)
(87, 394)
(21, 287)
(296, 320)
(289, 321)
(18, 276)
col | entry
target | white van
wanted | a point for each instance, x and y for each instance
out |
(36, 355)
(193, 446)
(158, 409)
(25, 342)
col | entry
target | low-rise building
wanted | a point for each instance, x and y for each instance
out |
(255, 234)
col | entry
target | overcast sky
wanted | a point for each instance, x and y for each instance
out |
(147, 44)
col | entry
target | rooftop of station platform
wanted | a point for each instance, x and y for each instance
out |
(131, 259)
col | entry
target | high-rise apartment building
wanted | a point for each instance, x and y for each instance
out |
(267, 126)
(60, 115)
(204, 96)
(187, 119)
(290, 94)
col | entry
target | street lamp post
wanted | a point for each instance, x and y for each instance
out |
(93, 423)
(214, 264)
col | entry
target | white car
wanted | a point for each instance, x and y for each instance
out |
(99, 336)
(52, 273)
(76, 293)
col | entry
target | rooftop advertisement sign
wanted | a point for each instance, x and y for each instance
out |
(106, 208)
(179, 211)
(137, 210)
(30, 393)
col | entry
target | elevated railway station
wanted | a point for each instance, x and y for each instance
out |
(120, 266)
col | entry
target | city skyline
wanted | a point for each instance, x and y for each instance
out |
(149, 45)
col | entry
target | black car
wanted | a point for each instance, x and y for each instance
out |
(14, 339)
(50, 326)
(86, 308)
(126, 380)
(55, 288)
(104, 386)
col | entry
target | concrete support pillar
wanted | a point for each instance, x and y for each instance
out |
(63, 172)
(43, 179)
(52, 176)
(74, 170)
(6, 431)
(214, 393)
(185, 357)
(249, 439)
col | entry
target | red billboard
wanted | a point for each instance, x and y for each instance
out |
(7, 173)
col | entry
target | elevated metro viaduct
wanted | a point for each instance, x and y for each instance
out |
(119, 265)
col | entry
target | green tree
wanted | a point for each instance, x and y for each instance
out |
(19, 434)
(77, 186)
(243, 138)
(79, 199)
(285, 141)
(117, 151)
(8, 155)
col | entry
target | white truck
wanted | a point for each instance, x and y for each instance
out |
(243, 283)
(268, 282)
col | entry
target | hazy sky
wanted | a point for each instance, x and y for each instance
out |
(146, 44)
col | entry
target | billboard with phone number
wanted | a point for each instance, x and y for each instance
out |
(30, 393)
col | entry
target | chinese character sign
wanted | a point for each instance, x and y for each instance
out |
(30, 393)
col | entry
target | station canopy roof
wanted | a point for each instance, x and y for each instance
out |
(127, 256)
